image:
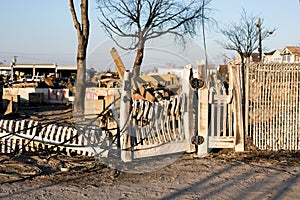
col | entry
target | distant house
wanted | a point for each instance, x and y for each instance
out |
(272, 57)
(290, 54)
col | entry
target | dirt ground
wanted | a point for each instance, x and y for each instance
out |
(219, 175)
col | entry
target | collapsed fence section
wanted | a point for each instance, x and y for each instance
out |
(19, 136)
(274, 106)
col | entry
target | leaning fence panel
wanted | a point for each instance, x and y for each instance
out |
(274, 106)
(160, 118)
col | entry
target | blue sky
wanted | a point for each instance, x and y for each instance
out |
(42, 31)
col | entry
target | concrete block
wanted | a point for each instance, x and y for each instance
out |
(36, 98)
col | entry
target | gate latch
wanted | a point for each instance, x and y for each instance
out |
(197, 140)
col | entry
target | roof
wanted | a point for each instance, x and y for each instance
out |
(270, 53)
(27, 65)
(294, 49)
(59, 67)
(4, 65)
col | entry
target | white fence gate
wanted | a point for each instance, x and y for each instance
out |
(220, 113)
(168, 126)
(220, 134)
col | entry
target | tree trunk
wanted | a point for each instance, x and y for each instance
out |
(80, 83)
(82, 39)
(138, 59)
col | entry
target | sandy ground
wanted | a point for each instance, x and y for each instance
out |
(220, 175)
(213, 177)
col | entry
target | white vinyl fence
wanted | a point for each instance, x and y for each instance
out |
(274, 106)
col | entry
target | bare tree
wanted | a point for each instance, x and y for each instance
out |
(82, 39)
(142, 20)
(245, 36)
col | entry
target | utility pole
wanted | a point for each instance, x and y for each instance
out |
(13, 62)
(259, 40)
(204, 38)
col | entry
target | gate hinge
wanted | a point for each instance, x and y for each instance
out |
(197, 83)
(197, 140)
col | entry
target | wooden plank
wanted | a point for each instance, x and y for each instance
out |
(160, 149)
(237, 103)
(221, 97)
(170, 79)
(221, 142)
(146, 94)
(118, 63)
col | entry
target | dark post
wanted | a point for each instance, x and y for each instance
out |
(259, 40)
(1, 94)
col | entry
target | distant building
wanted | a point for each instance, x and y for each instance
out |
(34, 69)
(290, 54)
(5, 69)
(272, 57)
(20, 69)
(176, 71)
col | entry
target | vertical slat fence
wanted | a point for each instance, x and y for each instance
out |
(274, 106)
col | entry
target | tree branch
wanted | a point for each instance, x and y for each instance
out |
(75, 19)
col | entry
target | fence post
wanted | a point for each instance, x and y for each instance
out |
(235, 84)
(1, 94)
(246, 108)
(189, 128)
(125, 125)
(203, 112)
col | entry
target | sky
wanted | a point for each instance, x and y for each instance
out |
(42, 31)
